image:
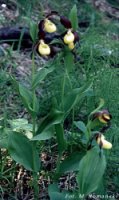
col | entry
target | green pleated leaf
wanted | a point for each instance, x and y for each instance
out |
(41, 75)
(36, 105)
(74, 97)
(45, 135)
(22, 151)
(54, 117)
(91, 170)
(27, 99)
(73, 17)
(81, 126)
(69, 61)
(4, 134)
(26, 96)
(55, 193)
(71, 163)
(60, 138)
(33, 30)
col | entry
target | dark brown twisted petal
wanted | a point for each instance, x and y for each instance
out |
(95, 115)
(65, 22)
(76, 37)
(54, 51)
(105, 112)
(41, 25)
(49, 37)
(52, 13)
(41, 35)
(97, 135)
(36, 48)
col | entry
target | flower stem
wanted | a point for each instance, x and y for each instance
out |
(35, 176)
(88, 133)
(35, 186)
(62, 91)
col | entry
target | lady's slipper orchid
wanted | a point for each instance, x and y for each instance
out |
(104, 143)
(43, 48)
(103, 116)
(46, 26)
(49, 26)
(69, 37)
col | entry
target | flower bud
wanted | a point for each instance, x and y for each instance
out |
(69, 37)
(71, 45)
(104, 143)
(49, 26)
(43, 49)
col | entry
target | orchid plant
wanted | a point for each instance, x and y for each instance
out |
(86, 157)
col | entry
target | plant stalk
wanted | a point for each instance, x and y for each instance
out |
(35, 176)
